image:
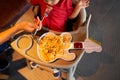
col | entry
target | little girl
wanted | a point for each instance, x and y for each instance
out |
(59, 11)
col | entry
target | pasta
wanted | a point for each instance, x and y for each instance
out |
(51, 45)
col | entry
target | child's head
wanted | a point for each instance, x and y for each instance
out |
(51, 2)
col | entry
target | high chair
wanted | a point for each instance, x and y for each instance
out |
(27, 47)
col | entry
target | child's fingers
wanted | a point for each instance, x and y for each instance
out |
(84, 3)
(87, 5)
(87, 1)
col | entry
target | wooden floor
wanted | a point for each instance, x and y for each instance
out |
(25, 72)
(34, 74)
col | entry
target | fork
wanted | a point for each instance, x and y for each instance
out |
(33, 35)
(45, 15)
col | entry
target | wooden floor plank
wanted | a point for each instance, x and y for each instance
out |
(34, 74)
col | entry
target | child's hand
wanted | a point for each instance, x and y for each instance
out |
(83, 3)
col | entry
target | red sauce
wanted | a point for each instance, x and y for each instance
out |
(78, 45)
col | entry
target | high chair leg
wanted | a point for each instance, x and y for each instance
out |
(28, 64)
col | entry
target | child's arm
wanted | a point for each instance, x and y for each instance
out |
(81, 4)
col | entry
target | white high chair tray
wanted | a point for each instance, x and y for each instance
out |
(27, 47)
